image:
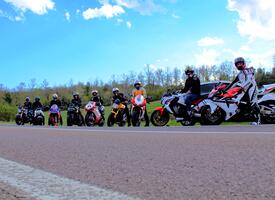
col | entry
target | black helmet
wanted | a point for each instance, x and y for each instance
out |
(37, 99)
(189, 71)
(137, 84)
(27, 99)
(75, 95)
(238, 61)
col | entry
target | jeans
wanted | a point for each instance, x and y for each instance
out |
(188, 100)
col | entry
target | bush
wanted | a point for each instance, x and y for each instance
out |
(7, 112)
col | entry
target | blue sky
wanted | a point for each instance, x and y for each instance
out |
(83, 40)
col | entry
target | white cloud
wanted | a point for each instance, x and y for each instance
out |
(175, 16)
(257, 18)
(129, 24)
(106, 10)
(68, 16)
(207, 57)
(77, 11)
(210, 41)
(144, 7)
(39, 7)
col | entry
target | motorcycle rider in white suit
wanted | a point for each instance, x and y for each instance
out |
(246, 80)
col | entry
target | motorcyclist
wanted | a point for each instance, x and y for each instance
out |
(139, 90)
(246, 80)
(76, 101)
(191, 89)
(119, 96)
(57, 102)
(37, 104)
(28, 106)
(99, 102)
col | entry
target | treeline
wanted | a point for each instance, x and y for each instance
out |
(156, 81)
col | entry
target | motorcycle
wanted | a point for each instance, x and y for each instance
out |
(23, 116)
(171, 105)
(267, 104)
(117, 115)
(74, 116)
(93, 116)
(138, 108)
(232, 105)
(54, 116)
(38, 118)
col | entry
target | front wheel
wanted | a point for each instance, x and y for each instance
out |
(191, 122)
(90, 119)
(110, 120)
(19, 120)
(207, 118)
(159, 119)
(135, 117)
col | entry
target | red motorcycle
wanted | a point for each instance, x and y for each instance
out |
(138, 109)
(93, 116)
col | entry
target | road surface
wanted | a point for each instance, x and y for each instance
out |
(222, 162)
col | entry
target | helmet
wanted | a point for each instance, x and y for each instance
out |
(239, 60)
(189, 71)
(137, 83)
(76, 94)
(37, 99)
(55, 96)
(27, 99)
(115, 90)
(94, 92)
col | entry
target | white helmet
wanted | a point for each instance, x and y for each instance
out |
(94, 92)
(114, 90)
(55, 96)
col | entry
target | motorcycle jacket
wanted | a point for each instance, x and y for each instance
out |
(76, 102)
(36, 105)
(137, 92)
(97, 99)
(57, 102)
(192, 84)
(28, 105)
(120, 97)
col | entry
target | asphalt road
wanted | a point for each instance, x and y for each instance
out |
(223, 162)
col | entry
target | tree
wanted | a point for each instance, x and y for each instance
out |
(176, 76)
(32, 83)
(7, 97)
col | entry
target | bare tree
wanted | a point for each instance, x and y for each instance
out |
(32, 83)
(176, 76)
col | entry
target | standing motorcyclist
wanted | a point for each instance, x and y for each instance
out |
(122, 99)
(99, 102)
(191, 88)
(246, 80)
(139, 90)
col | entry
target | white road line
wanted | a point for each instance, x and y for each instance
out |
(46, 186)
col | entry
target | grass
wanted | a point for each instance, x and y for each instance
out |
(150, 109)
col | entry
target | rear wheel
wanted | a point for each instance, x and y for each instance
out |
(90, 119)
(207, 118)
(159, 119)
(70, 119)
(268, 116)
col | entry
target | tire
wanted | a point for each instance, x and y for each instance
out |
(19, 120)
(88, 119)
(110, 120)
(135, 117)
(70, 119)
(158, 120)
(267, 119)
(211, 119)
(80, 120)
